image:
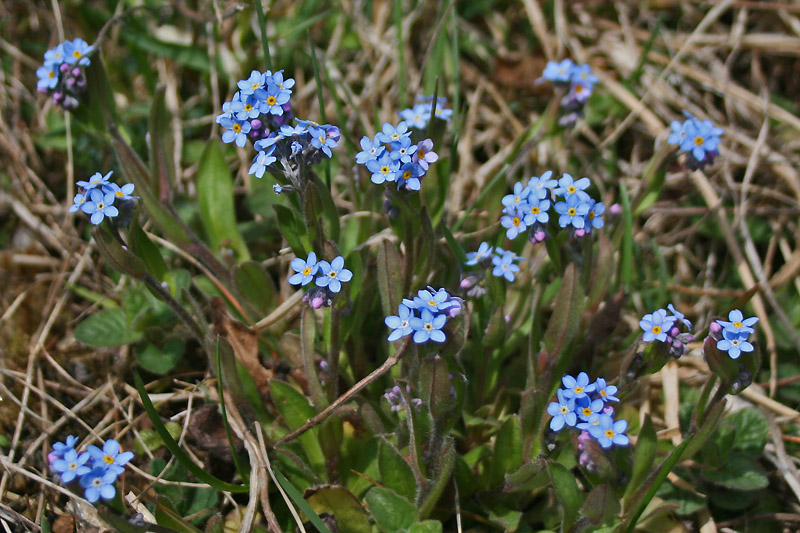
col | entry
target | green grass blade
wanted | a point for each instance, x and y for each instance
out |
(298, 500)
(262, 22)
(175, 448)
(243, 473)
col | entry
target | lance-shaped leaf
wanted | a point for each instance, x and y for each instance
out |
(341, 503)
(116, 256)
(391, 511)
(296, 410)
(507, 456)
(442, 470)
(395, 472)
(603, 269)
(215, 199)
(643, 457)
(390, 276)
(136, 172)
(329, 213)
(288, 227)
(425, 246)
(312, 211)
(144, 248)
(434, 386)
(162, 146)
(601, 504)
(566, 491)
(567, 312)
(255, 284)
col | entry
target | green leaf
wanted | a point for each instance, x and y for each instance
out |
(288, 227)
(455, 246)
(507, 456)
(689, 502)
(312, 214)
(425, 245)
(395, 472)
(626, 257)
(643, 457)
(296, 410)
(566, 491)
(144, 248)
(215, 199)
(443, 469)
(135, 170)
(340, 502)
(175, 448)
(602, 272)
(160, 360)
(601, 504)
(330, 214)
(161, 145)
(299, 501)
(254, 283)
(567, 312)
(426, 526)
(390, 277)
(116, 255)
(391, 511)
(741, 472)
(507, 519)
(106, 328)
(752, 430)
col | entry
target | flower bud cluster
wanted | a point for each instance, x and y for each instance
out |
(580, 81)
(62, 76)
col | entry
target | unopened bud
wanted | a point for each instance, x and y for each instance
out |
(615, 209)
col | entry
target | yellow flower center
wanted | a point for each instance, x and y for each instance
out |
(516, 221)
(578, 389)
(321, 139)
(237, 128)
(108, 459)
(51, 74)
(432, 303)
(76, 54)
(307, 271)
(656, 330)
(406, 174)
(248, 107)
(384, 170)
(535, 210)
(572, 211)
(698, 141)
(571, 189)
(587, 411)
(421, 154)
(271, 100)
(737, 324)
(609, 433)
(603, 393)
(564, 409)
(591, 215)
(119, 194)
(255, 86)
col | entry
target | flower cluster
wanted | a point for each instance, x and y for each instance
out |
(327, 284)
(99, 198)
(665, 328)
(698, 138)
(391, 156)
(419, 115)
(579, 79)
(260, 105)
(735, 333)
(95, 469)
(586, 407)
(308, 142)
(396, 401)
(526, 208)
(61, 75)
(424, 316)
(261, 112)
(503, 264)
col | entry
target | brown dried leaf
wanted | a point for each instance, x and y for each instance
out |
(244, 343)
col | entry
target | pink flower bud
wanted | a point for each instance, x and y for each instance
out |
(317, 302)
(615, 209)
